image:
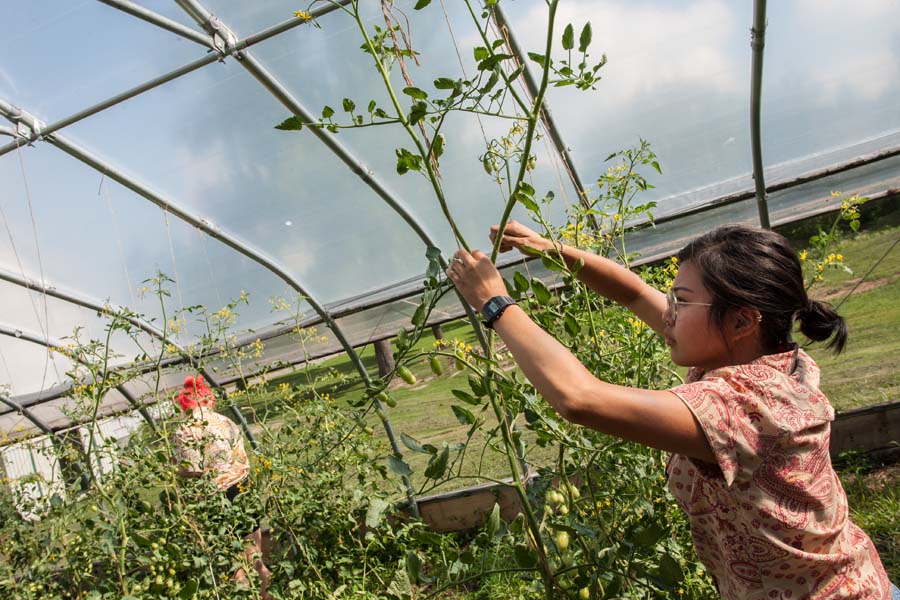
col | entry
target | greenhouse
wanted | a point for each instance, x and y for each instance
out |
(251, 349)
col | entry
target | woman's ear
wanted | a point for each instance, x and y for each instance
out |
(745, 322)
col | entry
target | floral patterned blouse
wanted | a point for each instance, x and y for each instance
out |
(209, 441)
(770, 518)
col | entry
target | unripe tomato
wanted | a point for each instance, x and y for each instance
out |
(562, 541)
(436, 367)
(584, 593)
(563, 509)
(573, 491)
(406, 375)
(385, 398)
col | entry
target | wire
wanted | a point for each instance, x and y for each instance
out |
(175, 269)
(119, 246)
(869, 272)
(45, 326)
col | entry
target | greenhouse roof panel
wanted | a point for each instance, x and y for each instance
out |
(59, 61)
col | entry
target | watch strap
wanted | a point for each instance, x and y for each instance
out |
(493, 309)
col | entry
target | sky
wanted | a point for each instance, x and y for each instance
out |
(678, 75)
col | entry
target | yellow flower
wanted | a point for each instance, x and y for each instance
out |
(803, 254)
(840, 257)
(302, 14)
(835, 194)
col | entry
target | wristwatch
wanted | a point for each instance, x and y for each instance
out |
(493, 308)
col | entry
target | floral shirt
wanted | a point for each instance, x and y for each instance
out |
(770, 518)
(209, 441)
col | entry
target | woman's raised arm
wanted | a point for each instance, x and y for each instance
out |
(604, 276)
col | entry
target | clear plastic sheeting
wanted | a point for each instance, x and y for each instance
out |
(59, 58)
(678, 75)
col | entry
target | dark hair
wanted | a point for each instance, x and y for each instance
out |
(748, 267)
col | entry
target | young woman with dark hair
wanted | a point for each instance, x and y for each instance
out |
(747, 433)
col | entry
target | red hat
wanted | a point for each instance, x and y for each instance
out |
(195, 389)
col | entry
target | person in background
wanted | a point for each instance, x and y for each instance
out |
(748, 432)
(208, 442)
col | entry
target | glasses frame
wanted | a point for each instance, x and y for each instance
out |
(672, 304)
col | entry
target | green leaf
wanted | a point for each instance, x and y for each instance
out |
(418, 317)
(584, 40)
(568, 38)
(465, 397)
(656, 166)
(463, 415)
(437, 147)
(349, 105)
(648, 536)
(520, 282)
(413, 444)
(538, 58)
(421, 4)
(294, 123)
(493, 522)
(444, 83)
(189, 589)
(527, 201)
(541, 293)
(525, 556)
(571, 325)
(327, 112)
(413, 565)
(477, 386)
(371, 106)
(417, 111)
(398, 466)
(407, 161)
(669, 570)
(480, 53)
(437, 466)
(415, 93)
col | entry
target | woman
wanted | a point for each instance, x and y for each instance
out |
(209, 442)
(748, 432)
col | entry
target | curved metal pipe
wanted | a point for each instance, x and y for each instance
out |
(59, 346)
(758, 44)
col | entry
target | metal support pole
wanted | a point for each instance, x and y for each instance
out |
(757, 45)
(546, 113)
(166, 23)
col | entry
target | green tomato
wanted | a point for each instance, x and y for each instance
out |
(562, 541)
(584, 593)
(406, 375)
(573, 491)
(436, 367)
(385, 398)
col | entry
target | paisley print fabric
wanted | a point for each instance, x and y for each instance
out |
(209, 441)
(770, 518)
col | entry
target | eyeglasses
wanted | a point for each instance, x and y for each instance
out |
(672, 304)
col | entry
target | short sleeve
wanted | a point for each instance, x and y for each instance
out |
(730, 420)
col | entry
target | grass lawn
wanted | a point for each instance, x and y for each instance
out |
(868, 371)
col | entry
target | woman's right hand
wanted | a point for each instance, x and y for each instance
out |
(516, 235)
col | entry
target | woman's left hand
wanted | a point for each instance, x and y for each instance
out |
(476, 277)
